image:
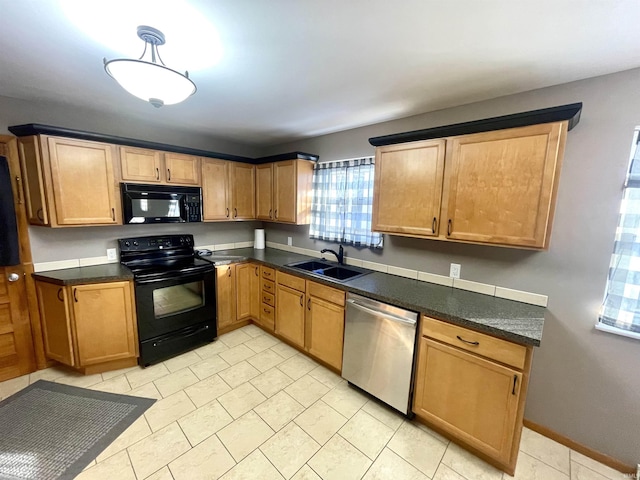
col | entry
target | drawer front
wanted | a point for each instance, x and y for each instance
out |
(268, 273)
(290, 281)
(268, 286)
(324, 292)
(267, 316)
(491, 347)
(269, 299)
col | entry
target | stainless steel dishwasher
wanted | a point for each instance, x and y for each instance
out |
(379, 342)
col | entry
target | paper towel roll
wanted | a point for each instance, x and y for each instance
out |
(258, 241)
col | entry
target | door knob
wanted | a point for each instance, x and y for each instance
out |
(13, 277)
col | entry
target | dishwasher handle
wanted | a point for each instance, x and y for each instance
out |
(378, 313)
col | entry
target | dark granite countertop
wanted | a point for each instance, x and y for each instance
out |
(514, 321)
(508, 319)
(110, 272)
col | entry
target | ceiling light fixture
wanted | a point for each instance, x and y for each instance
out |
(149, 78)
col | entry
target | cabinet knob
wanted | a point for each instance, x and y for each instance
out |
(13, 277)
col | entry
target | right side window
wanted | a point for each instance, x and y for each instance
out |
(620, 312)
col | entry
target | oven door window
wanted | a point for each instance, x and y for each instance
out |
(178, 299)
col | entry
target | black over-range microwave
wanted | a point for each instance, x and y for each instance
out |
(160, 203)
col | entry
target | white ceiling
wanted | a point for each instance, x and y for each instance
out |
(291, 69)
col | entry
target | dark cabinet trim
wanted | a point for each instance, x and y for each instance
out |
(38, 129)
(569, 112)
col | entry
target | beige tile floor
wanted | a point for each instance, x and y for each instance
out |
(250, 407)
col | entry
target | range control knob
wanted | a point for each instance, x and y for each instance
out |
(135, 244)
(127, 243)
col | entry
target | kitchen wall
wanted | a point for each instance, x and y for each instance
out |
(585, 384)
(49, 244)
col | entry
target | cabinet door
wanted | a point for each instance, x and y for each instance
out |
(140, 165)
(56, 322)
(226, 295)
(182, 169)
(33, 180)
(408, 188)
(264, 191)
(285, 181)
(243, 191)
(325, 331)
(104, 322)
(244, 301)
(474, 399)
(256, 290)
(290, 314)
(215, 189)
(83, 182)
(501, 186)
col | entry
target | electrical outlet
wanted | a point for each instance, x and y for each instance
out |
(290, 241)
(111, 254)
(454, 270)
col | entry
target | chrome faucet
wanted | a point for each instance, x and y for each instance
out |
(339, 255)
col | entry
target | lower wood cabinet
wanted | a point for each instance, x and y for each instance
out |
(325, 323)
(472, 386)
(290, 312)
(88, 325)
(237, 293)
(311, 316)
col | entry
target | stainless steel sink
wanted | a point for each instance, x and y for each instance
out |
(332, 270)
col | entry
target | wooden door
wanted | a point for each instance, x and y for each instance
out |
(264, 191)
(244, 275)
(243, 191)
(472, 398)
(226, 295)
(182, 169)
(215, 189)
(408, 188)
(284, 200)
(141, 165)
(55, 317)
(290, 314)
(16, 348)
(325, 331)
(105, 325)
(33, 180)
(500, 186)
(83, 182)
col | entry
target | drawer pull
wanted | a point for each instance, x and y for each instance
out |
(467, 341)
(265, 310)
(265, 299)
(515, 381)
(267, 274)
(257, 268)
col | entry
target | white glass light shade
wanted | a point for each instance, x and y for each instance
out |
(152, 82)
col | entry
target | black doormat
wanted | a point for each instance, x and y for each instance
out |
(52, 431)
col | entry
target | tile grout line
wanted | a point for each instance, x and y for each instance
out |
(550, 466)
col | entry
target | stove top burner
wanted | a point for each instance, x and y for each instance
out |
(161, 256)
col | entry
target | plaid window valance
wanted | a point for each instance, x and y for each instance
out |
(621, 306)
(342, 203)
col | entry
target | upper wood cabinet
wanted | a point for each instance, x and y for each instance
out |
(69, 182)
(88, 325)
(497, 188)
(283, 191)
(152, 166)
(228, 190)
(408, 188)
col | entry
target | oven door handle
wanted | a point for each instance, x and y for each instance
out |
(193, 276)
